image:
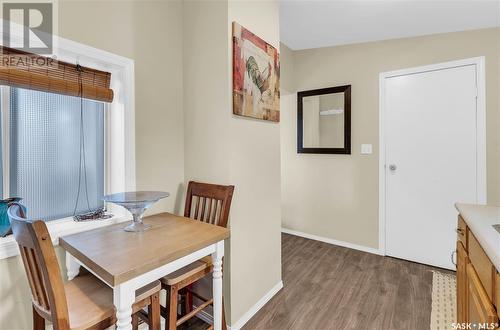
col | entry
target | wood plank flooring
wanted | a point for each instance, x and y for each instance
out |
(331, 287)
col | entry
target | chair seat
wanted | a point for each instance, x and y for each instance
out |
(90, 301)
(202, 266)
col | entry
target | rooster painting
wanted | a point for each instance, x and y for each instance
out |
(255, 76)
(260, 79)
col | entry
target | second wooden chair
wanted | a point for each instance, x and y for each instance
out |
(209, 203)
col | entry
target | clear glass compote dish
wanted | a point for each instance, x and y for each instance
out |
(136, 202)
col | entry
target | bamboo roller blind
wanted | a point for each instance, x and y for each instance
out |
(31, 71)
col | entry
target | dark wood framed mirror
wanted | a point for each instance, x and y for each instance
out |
(324, 121)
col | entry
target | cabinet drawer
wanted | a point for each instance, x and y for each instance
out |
(482, 264)
(479, 307)
(462, 232)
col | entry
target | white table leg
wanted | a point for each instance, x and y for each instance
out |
(123, 298)
(72, 266)
(217, 284)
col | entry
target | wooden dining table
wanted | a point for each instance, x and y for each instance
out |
(127, 261)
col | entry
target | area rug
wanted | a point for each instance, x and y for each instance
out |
(444, 306)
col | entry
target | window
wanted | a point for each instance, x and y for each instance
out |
(41, 156)
(107, 78)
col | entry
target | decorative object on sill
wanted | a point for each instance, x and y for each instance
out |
(136, 202)
(4, 219)
(95, 215)
(46, 74)
(256, 76)
(91, 214)
(324, 121)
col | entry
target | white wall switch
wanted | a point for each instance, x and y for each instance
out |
(366, 149)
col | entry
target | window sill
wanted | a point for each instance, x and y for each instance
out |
(58, 228)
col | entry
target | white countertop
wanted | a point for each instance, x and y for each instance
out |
(480, 219)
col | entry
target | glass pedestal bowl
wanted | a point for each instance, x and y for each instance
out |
(136, 202)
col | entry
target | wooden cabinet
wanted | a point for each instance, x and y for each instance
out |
(497, 293)
(477, 282)
(482, 265)
(462, 232)
(479, 307)
(461, 283)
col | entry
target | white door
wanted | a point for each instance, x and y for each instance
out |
(430, 157)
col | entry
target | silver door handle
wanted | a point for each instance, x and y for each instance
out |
(393, 167)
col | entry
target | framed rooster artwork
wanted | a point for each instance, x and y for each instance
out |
(256, 76)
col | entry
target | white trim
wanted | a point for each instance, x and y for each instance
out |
(255, 308)
(4, 90)
(120, 133)
(482, 196)
(481, 192)
(381, 166)
(332, 241)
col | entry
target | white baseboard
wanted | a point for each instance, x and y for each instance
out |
(255, 308)
(333, 241)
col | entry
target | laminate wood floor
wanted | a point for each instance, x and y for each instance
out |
(331, 287)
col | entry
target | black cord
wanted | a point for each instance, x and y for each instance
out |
(81, 146)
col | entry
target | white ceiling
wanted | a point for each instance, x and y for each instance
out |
(316, 23)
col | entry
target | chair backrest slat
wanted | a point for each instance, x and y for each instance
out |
(209, 212)
(197, 207)
(203, 203)
(41, 266)
(215, 202)
(34, 269)
(23, 252)
(216, 211)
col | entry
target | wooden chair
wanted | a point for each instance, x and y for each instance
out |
(209, 203)
(83, 303)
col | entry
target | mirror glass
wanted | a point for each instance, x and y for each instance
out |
(323, 121)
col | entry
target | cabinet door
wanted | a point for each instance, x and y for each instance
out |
(479, 307)
(462, 261)
(497, 294)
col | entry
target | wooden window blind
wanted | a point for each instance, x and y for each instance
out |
(31, 71)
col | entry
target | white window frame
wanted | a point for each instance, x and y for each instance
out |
(119, 168)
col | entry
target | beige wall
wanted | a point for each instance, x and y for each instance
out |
(331, 127)
(287, 78)
(255, 171)
(336, 196)
(15, 310)
(223, 148)
(189, 44)
(205, 101)
(150, 33)
(311, 122)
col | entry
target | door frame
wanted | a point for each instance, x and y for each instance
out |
(481, 192)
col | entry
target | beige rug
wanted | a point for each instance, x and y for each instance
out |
(444, 297)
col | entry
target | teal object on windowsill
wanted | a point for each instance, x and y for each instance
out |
(4, 219)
